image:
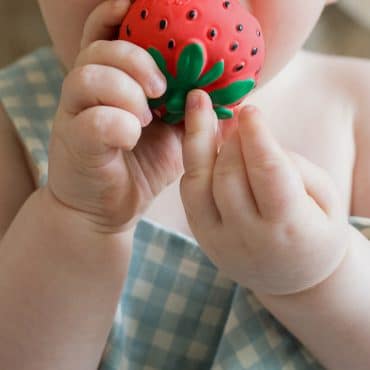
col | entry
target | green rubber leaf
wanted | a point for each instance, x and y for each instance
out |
(176, 101)
(223, 113)
(161, 63)
(212, 75)
(157, 56)
(232, 93)
(173, 118)
(189, 65)
(156, 103)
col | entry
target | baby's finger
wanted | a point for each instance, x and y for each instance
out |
(104, 21)
(129, 58)
(94, 85)
(199, 152)
(92, 134)
(276, 184)
(233, 195)
(318, 184)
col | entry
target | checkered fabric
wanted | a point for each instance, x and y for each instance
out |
(177, 312)
(29, 92)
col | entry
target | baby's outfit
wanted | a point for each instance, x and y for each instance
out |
(176, 312)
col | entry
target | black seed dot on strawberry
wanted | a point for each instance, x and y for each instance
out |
(234, 46)
(212, 33)
(226, 4)
(128, 31)
(238, 67)
(254, 51)
(171, 44)
(239, 27)
(144, 13)
(192, 14)
(258, 33)
(163, 24)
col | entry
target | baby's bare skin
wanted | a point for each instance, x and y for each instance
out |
(322, 101)
(312, 108)
(309, 110)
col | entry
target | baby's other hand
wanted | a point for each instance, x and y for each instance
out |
(102, 162)
(269, 219)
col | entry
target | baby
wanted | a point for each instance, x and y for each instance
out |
(129, 202)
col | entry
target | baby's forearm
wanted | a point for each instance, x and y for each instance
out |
(332, 319)
(60, 282)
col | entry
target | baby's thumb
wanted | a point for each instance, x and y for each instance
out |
(199, 151)
(103, 22)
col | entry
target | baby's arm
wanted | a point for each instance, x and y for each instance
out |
(332, 319)
(57, 299)
(308, 266)
(59, 286)
(64, 257)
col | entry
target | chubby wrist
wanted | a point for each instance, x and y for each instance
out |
(59, 241)
(355, 258)
(354, 253)
(331, 317)
(86, 221)
(68, 235)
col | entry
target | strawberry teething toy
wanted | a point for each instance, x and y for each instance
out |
(214, 45)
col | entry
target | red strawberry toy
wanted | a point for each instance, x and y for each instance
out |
(214, 45)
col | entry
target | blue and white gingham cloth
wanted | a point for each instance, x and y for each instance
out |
(177, 312)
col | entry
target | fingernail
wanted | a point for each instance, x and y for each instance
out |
(193, 101)
(157, 86)
(250, 108)
(248, 112)
(148, 116)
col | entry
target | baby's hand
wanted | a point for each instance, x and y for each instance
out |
(101, 162)
(269, 219)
